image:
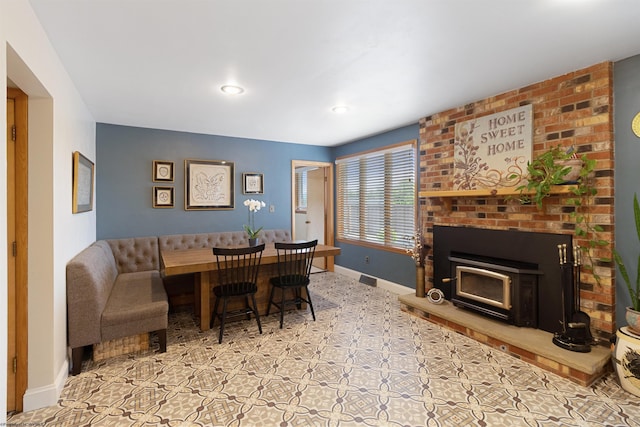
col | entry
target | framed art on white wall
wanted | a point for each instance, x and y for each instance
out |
(82, 183)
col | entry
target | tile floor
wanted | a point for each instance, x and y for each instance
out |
(364, 362)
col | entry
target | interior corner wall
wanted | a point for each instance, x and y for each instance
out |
(627, 174)
(59, 123)
(391, 266)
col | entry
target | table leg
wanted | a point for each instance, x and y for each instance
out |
(205, 306)
(196, 295)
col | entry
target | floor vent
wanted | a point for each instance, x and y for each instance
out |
(369, 281)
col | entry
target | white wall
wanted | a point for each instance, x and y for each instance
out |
(59, 123)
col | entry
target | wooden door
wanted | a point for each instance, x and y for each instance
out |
(11, 259)
(17, 240)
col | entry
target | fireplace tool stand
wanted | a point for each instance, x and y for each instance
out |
(576, 331)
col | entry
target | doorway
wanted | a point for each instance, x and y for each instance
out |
(17, 178)
(312, 205)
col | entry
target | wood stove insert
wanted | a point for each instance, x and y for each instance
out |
(502, 289)
(515, 249)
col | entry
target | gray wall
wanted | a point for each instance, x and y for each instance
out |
(627, 173)
(397, 268)
(124, 159)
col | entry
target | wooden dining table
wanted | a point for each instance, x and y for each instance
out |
(203, 263)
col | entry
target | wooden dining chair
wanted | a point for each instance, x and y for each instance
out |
(237, 279)
(294, 267)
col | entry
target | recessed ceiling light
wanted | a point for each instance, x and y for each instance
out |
(339, 109)
(232, 90)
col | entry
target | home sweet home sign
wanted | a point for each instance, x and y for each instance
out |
(490, 150)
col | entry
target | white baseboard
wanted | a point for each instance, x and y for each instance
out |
(382, 283)
(41, 397)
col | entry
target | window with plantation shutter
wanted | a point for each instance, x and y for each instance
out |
(377, 196)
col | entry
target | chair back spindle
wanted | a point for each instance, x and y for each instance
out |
(238, 265)
(295, 261)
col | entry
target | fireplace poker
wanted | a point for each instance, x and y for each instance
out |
(574, 335)
(580, 317)
(562, 277)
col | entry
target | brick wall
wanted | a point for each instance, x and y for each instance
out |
(575, 109)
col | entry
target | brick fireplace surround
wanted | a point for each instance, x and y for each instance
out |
(575, 109)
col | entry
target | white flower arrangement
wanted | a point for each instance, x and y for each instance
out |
(417, 252)
(254, 206)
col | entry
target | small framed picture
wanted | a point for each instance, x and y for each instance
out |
(163, 197)
(82, 183)
(252, 183)
(162, 171)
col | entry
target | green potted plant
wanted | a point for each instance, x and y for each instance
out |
(553, 167)
(558, 166)
(633, 312)
(626, 354)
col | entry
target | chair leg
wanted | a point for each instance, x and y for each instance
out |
(306, 288)
(270, 300)
(222, 320)
(298, 296)
(214, 313)
(281, 306)
(162, 340)
(248, 308)
(76, 360)
(255, 312)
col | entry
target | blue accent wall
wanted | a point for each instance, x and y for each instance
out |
(627, 174)
(124, 187)
(124, 184)
(392, 266)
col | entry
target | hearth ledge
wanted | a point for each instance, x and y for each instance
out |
(534, 346)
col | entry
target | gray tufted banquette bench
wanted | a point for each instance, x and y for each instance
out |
(114, 290)
(220, 240)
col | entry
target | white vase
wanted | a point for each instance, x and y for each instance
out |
(626, 360)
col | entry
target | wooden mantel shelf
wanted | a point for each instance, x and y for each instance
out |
(485, 192)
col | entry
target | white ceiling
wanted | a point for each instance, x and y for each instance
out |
(160, 63)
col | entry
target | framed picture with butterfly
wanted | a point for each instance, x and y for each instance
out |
(209, 184)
